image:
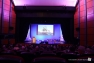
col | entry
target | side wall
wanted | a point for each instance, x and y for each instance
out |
(7, 19)
(84, 19)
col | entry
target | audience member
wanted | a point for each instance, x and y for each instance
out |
(81, 50)
(92, 49)
(88, 51)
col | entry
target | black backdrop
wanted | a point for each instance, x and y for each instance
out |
(22, 26)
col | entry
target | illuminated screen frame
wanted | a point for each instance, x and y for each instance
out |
(45, 24)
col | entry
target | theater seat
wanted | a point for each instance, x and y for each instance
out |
(27, 56)
(10, 59)
(49, 60)
(68, 57)
(59, 53)
(85, 58)
(8, 53)
(47, 54)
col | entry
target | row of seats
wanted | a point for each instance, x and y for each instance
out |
(43, 53)
(47, 59)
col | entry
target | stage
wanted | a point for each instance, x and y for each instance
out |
(45, 42)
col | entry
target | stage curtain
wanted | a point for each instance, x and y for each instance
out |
(23, 30)
(66, 32)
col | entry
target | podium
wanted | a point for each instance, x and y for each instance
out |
(33, 40)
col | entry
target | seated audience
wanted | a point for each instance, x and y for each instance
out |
(92, 48)
(88, 51)
(72, 50)
(81, 50)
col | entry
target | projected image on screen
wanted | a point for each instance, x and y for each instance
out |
(45, 29)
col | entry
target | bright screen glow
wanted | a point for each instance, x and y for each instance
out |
(45, 29)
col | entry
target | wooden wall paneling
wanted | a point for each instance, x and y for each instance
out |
(90, 4)
(82, 37)
(82, 31)
(82, 8)
(82, 25)
(5, 30)
(7, 2)
(82, 14)
(82, 2)
(82, 19)
(4, 41)
(90, 38)
(90, 24)
(90, 31)
(90, 10)
(12, 41)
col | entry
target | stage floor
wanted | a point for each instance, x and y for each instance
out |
(48, 42)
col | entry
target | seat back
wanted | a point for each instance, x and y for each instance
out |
(47, 54)
(86, 58)
(69, 57)
(10, 59)
(49, 60)
(27, 56)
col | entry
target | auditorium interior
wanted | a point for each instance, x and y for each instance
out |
(33, 31)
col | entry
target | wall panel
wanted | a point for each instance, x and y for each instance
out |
(6, 23)
(82, 31)
(13, 20)
(76, 22)
(13, 25)
(86, 25)
(82, 25)
(6, 16)
(0, 13)
(76, 25)
(0, 3)
(5, 30)
(4, 41)
(82, 37)
(82, 8)
(90, 4)
(75, 32)
(89, 0)
(90, 38)
(90, 43)
(82, 43)
(6, 13)
(90, 17)
(12, 41)
(82, 19)
(90, 31)
(90, 24)
(13, 13)
(82, 13)
(75, 35)
(82, 2)
(7, 2)
(6, 7)
(90, 10)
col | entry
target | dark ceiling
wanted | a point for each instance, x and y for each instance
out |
(48, 11)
